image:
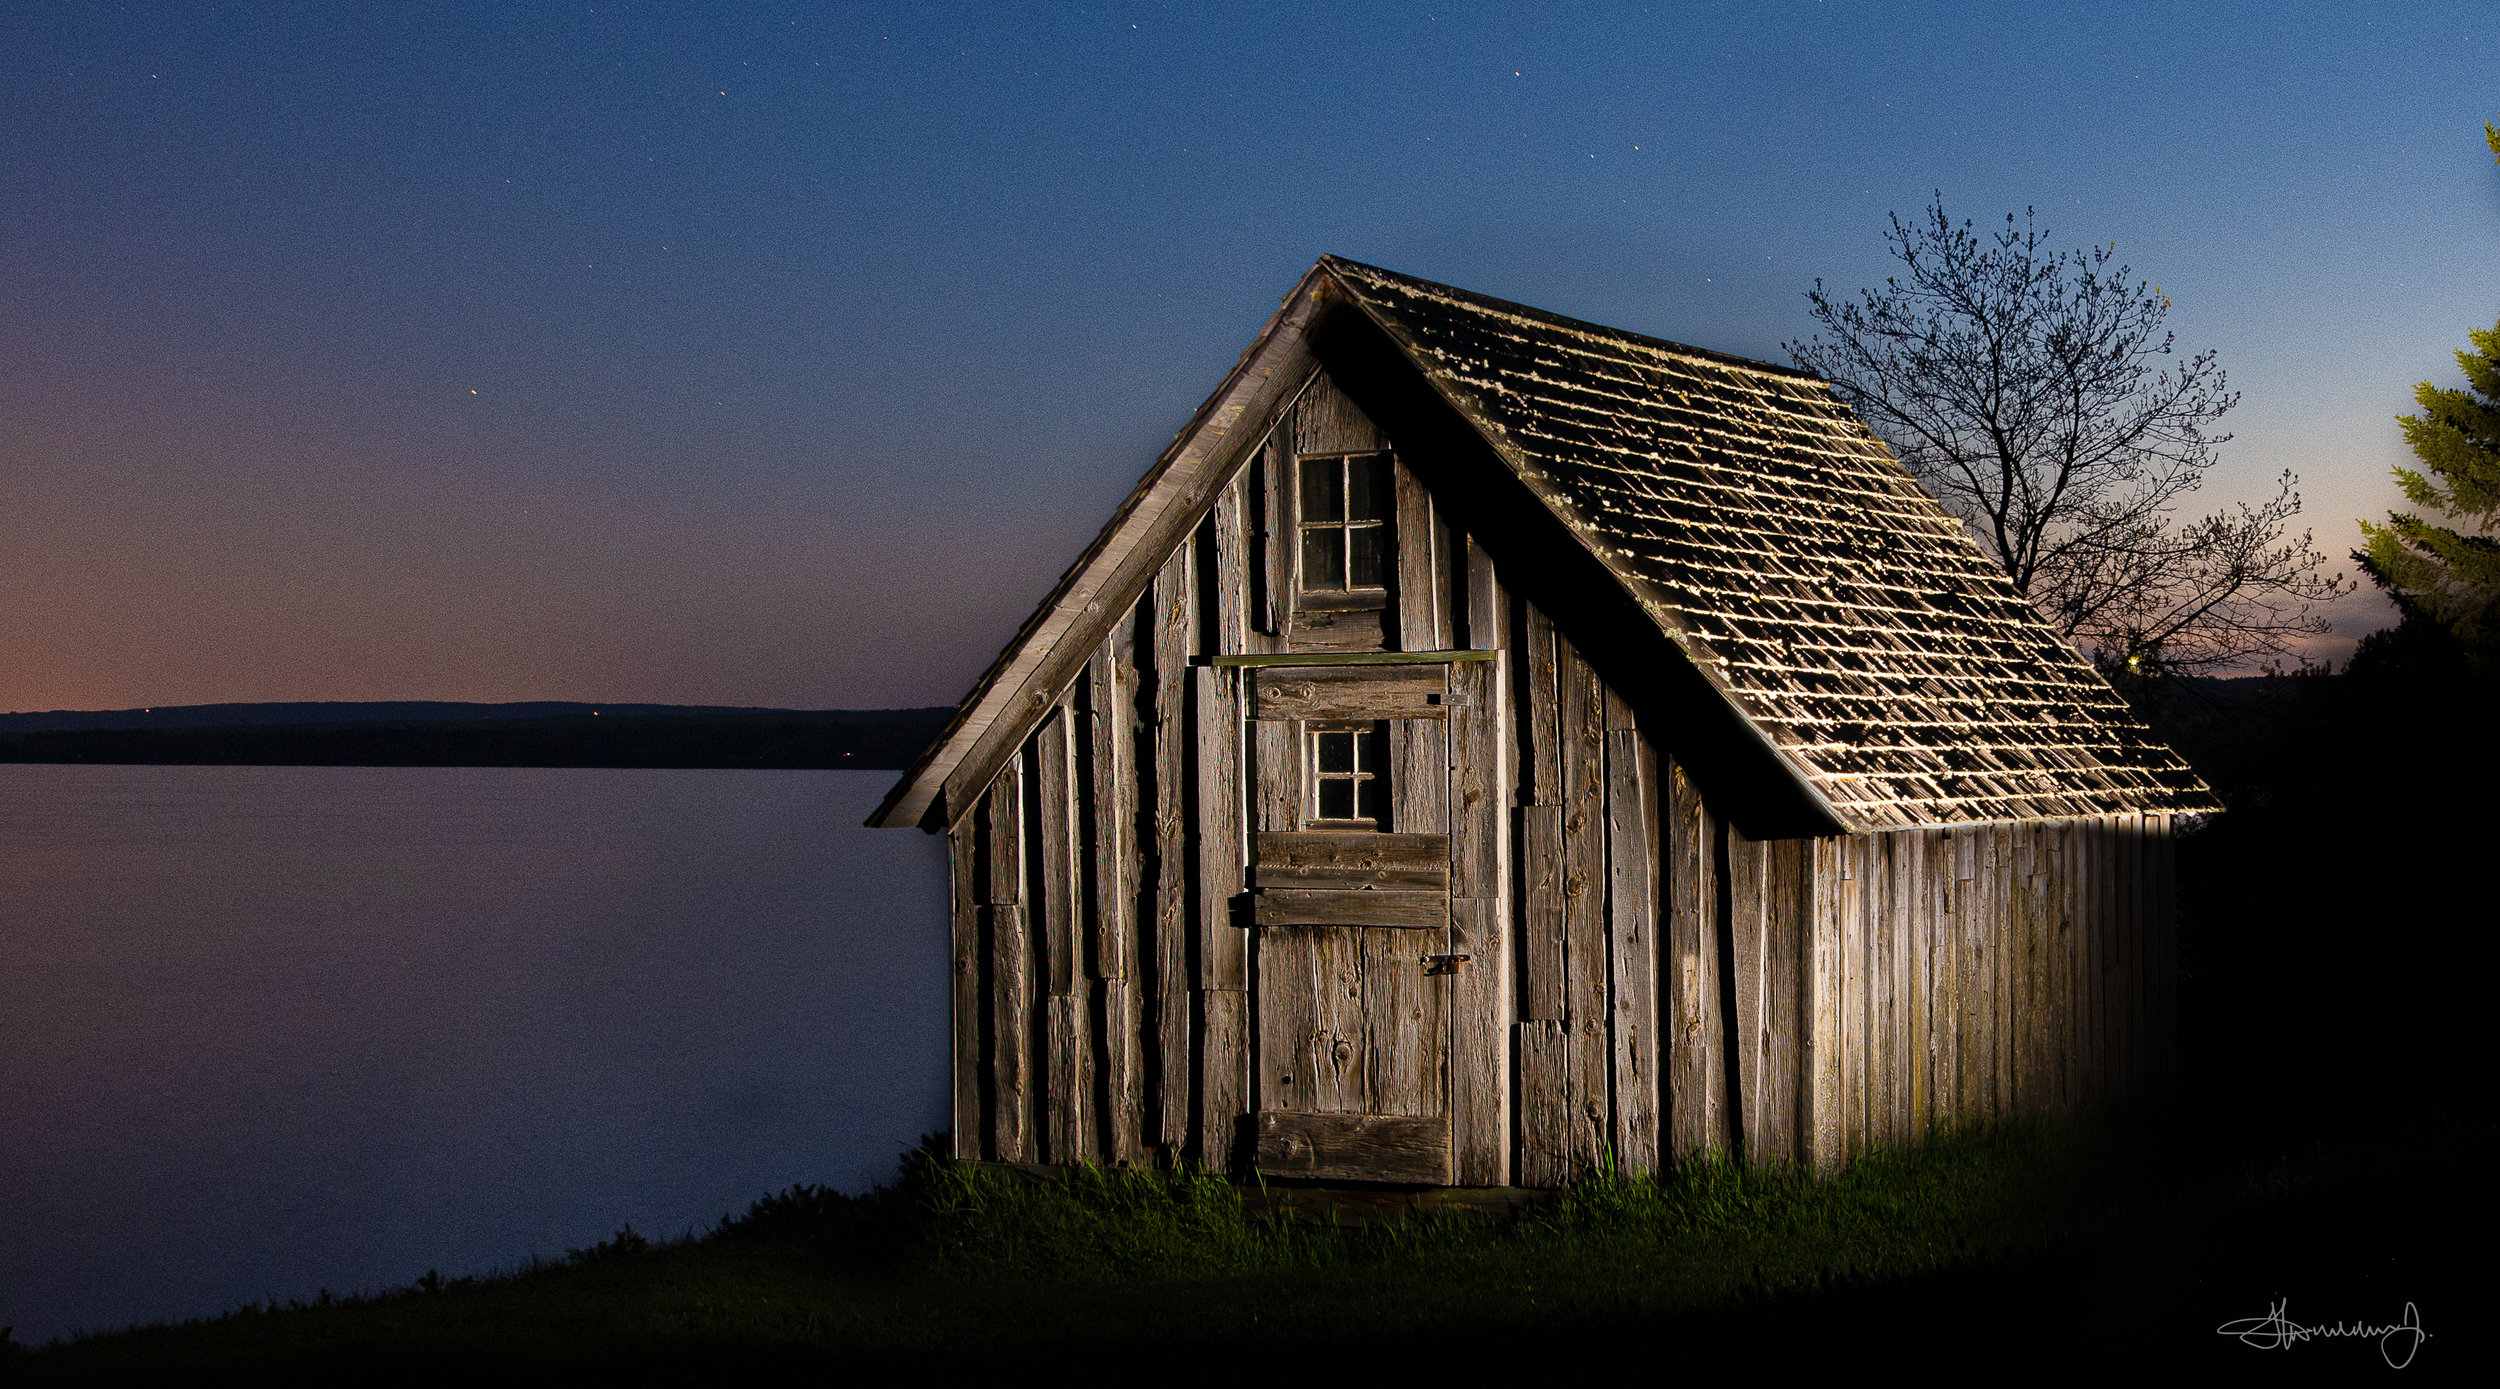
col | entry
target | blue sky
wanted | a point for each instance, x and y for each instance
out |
(784, 354)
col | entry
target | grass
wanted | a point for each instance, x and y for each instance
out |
(1966, 1239)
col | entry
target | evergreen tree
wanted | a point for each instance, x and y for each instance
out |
(2450, 574)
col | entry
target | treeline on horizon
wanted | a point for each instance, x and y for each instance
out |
(754, 740)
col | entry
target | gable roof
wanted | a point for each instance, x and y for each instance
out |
(1836, 608)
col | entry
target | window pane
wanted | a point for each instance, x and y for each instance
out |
(1373, 794)
(1336, 752)
(1323, 558)
(1375, 750)
(1336, 799)
(1368, 566)
(1372, 493)
(1323, 490)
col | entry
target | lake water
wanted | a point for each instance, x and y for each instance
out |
(269, 1030)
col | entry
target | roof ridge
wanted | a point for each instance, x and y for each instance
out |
(1546, 316)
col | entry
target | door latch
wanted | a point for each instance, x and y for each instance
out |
(1444, 964)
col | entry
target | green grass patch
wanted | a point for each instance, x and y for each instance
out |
(962, 1262)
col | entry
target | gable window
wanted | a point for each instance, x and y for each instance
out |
(1345, 529)
(1350, 773)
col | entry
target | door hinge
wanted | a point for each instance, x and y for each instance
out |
(1444, 964)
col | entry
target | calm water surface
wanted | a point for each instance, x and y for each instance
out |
(268, 1030)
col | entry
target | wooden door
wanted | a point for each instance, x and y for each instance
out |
(1350, 878)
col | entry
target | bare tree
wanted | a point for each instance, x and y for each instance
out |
(2037, 394)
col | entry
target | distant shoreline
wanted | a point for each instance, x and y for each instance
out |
(383, 735)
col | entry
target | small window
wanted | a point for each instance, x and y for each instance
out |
(1350, 771)
(1345, 523)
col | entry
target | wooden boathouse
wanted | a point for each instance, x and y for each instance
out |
(1487, 743)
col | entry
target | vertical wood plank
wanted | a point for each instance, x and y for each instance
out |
(1054, 758)
(1011, 980)
(1542, 982)
(1419, 766)
(1695, 1044)
(1855, 853)
(1481, 1005)
(1545, 1120)
(1229, 526)
(1224, 1016)
(1310, 1012)
(964, 977)
(1111, 689)
(1223, 950)
(1632, 933)
(1280, 545)
(1588, 1001)
(1277, 790)
(1419, 602)
(1824, 991)
(1067, 1074)
(1748, 864)
(1175, 605)
(1406, 1017)
(1783, 951)
(1071, 1120)
(1540, 766)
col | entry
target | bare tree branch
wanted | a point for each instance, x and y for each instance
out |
(2039, 395)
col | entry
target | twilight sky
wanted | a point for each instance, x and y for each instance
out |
(784, 354)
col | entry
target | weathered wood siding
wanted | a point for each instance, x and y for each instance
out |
(1641, 983)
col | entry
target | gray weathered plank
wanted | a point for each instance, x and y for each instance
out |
(1223, 954)
(1359, 692)
(1312, 1055)
(1540, 769)
(1228, 527)
(1279, 552)
(1783, 947)
(1383, 907)
(1406, 1021)
(1480, 997)
(964, 978)
(1419, 606)
(1588, 999)
(1419, 760)
(1632, 936)
(1175, 609)
(1543, 992)
(1748, 888)
(1479, 1099)
(1061, 914)
(1354, 1147)
(1111, 787)
(1822, 1147)
(1857, 853)
(1071, 1118)
(1545, 1118)
(1479, 799)
(1350, 859)
(1067, 1033)
(1276, 788)
(1695, 1085)
(1011, 1035)
(1224, 1075)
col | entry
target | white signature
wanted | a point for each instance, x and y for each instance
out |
(2397, 1341)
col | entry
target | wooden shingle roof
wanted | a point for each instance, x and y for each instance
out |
(1834, 603)
(1882, 668)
